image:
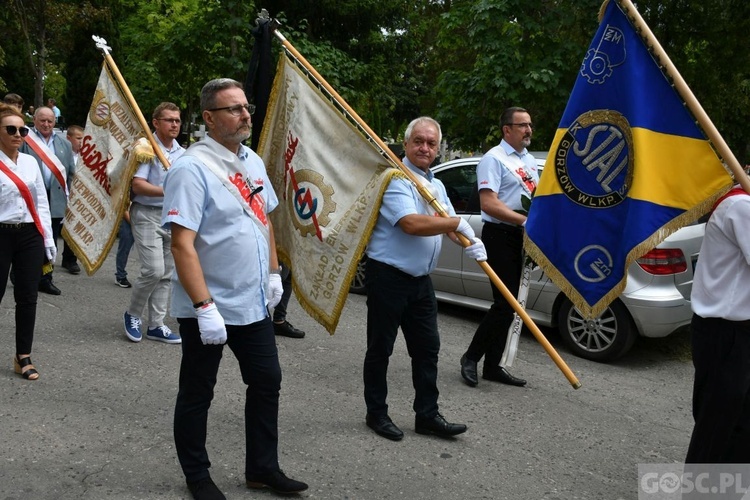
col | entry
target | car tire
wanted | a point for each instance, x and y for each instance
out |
(602, 339)
(358, 282)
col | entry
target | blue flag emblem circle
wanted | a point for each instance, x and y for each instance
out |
(594, 160)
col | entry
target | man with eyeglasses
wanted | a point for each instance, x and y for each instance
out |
(152, 241)
(217, 197)
(505, 174)
(49, 141)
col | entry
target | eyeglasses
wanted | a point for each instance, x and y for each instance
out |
(523, 125)
(12, 129)
(174, 121)
(236, 110)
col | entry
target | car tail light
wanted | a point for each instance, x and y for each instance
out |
(662, 261)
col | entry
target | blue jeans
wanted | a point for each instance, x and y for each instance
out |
(123, 249)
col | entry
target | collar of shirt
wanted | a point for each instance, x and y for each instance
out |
(49, 142)
(511, 150)
(427, 175)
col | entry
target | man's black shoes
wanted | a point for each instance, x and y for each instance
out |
(438, 426)
(469, 371)
(500, 374)
(72, 267)
(384, 426)
(276, 481)
(286, 329)
(46, 286)
(205, 489)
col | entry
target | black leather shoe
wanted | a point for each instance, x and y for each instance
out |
(469, 371)
(384, 426)
(286, 329)
(502, 375)
(276, 481)
(72, 267)
(205, 489)
(437, 426)
(46, 286)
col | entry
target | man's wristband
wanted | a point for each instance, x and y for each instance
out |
(203, 303)
(276, 271)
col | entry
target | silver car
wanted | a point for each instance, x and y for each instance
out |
(655, 302)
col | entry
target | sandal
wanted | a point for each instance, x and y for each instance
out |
(23, 367)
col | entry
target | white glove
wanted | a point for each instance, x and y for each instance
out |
(211, 325)
(476, 250)
(51, 253)
(275, 290)
(465, 229)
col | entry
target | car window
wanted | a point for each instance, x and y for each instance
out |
(460, 183)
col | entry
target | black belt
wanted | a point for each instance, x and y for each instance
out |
(504, 227)
(395, 270)
(17, 225)
(741, 323)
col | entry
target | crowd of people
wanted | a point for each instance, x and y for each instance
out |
(207, 256)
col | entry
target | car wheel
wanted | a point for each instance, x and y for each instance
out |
(358, 282)
(604, 338)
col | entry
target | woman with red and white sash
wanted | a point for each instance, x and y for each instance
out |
(25, 232)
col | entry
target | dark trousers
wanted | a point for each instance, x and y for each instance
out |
(68, 257)
(254, 346)
(394, 298)
(24, 249)
(721, 391)
(504, 246)
(279, 312)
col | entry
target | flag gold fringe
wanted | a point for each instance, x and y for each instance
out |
(593, 311)
(143, 151)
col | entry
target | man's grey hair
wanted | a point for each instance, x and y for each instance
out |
(419, 121)
(209, 91)
(40, 109)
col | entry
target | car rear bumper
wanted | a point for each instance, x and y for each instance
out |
(659, 317)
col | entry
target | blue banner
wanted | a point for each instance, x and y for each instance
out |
(628, 166)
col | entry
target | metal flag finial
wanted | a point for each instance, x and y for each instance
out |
(101, 44)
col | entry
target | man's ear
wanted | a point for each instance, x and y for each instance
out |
(208, 119)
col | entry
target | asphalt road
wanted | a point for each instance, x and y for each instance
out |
(98, 423)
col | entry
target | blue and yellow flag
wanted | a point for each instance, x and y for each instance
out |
(628, 166)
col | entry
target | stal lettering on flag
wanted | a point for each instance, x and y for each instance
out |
(100, 191)
(627, 167)
(329, 180)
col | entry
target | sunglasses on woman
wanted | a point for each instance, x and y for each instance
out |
(12, 129)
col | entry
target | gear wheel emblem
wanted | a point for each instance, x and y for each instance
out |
(596, 67)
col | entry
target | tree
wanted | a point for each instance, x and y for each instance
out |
(39, 34)
(169, 49)
(491, 54)
(706, 42)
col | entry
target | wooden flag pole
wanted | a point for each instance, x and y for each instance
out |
(424, 192)
(101, 44)
(687, 95)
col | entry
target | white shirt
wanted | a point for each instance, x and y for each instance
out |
(721, 286)
(493, 175)
(13, 208)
